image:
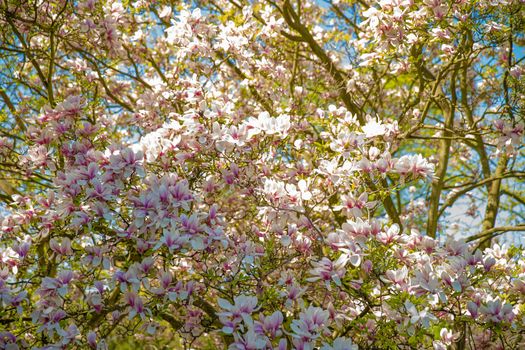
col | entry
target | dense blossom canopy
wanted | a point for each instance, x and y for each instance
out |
(262, 174)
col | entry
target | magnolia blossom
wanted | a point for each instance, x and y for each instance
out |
(310, 323)
(207, 174)
(353, 206)
(63, 248)
(374, 128)
(269, 125)
(328, 271)
(239, 311)
(341, 343)
(422, 317)
(397, 277)
(497, 311)
(416, 165)
(270, 325)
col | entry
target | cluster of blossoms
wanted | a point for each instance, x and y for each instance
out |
(136, 234)
(170, 201)
(510, 136)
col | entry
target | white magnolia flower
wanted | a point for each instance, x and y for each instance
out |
(374, 127)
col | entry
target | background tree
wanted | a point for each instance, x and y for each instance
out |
(253, 175)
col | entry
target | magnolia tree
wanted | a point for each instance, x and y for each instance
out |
(261, 175)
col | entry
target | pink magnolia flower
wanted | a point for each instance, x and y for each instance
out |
(326, 270)
(359, 229)
(496, 311)
(62, 248)
(92, 339)
(293, 294)
(447, 336)
(248, 341)
(49, 320)
(414, 165)
(422, 317)
(398, 277)
(128, 278)
(353, 206)
(269, 325)
(241, 309)
(389, 236)
(97, 256)
(173, 240)
(8, 341)
(341, 343)
(437, 7)
(22, 249)
(473, 308)
(426, 281)
(136, 304)
(310, 324)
